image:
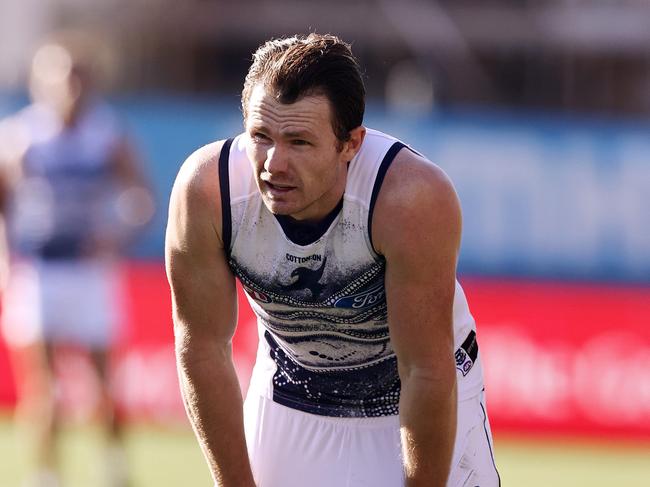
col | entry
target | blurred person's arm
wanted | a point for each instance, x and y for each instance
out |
(13, 144)
(134, 204)
(204, 304)
(416, 227)
(5, 258)
(128, 168)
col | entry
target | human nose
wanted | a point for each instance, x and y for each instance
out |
(276, 161)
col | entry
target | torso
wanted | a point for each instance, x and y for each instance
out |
(321, 306)
(65, 190)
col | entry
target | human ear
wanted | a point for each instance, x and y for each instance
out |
(353, 144)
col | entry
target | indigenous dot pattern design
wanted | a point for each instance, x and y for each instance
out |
(333, 357)
(368, 391)
(320, 300)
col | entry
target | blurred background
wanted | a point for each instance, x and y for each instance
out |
(539, 110)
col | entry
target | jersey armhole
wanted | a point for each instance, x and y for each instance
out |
(224, 186)
(379, 179)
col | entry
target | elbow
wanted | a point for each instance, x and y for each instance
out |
(436, 375)
(197, 351)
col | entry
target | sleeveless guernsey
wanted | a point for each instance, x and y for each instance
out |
(64, 197)
(321, 307)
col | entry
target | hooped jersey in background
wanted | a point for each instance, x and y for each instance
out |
(66, 196)
(321, 305)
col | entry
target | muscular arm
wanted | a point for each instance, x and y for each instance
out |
(416, 227)
(205, 314)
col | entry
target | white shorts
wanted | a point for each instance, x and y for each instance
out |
(290, 448)
(74, 302)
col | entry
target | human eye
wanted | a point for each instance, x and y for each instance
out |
(259, 136)
(300, 142)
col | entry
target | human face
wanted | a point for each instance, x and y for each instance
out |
(300, 166)
(59, 81)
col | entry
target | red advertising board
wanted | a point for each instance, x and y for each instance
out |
(558, 358)
(565, 358)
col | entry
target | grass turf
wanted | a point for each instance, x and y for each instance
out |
(166, 457)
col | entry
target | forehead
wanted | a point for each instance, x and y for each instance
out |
(311, 113)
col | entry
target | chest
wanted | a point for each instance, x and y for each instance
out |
(263, 255)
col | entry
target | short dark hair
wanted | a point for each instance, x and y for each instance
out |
(297, 66)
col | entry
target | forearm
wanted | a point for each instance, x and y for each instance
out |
(213, 402)
(428, 428)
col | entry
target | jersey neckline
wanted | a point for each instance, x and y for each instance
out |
(306, 233)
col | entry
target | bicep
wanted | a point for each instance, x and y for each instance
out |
(202, 285)
(420, 299)
(421, 249)
(203, 295)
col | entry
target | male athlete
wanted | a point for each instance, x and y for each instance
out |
(71, 195)
(346, 242)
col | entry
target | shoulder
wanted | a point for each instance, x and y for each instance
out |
(17, 133)
(417, 200)
(16, 128)
(34, 120)
(199, 173)
(196, 195)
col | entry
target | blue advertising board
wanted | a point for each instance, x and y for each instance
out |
(542, 196)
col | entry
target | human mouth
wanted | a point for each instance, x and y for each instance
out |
(278, 189)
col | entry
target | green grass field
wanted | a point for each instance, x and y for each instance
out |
(166, 457)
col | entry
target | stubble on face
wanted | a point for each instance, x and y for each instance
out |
(295, 155)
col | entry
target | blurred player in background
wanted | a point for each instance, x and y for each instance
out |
(346, 242)
(72, 196)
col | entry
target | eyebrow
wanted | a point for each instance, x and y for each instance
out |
(255, 125)
(291, 134)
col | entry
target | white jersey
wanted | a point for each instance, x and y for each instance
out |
(64, 197)
(321, 305)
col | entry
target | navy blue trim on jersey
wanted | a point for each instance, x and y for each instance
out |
(306, 233)
(487, 437)
(224, 186)
(381, 173)
(367, 391)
